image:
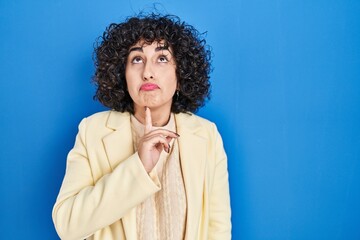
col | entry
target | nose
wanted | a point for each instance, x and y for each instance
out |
(148, 72)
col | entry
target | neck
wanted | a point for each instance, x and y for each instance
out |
(159, 117)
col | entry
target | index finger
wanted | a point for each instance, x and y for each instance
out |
(148, 121)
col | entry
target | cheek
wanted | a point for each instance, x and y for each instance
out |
(172, 78)
(131, 82)
(131, 89)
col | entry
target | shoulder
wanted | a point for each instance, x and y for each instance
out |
(105, 120)
(194, 118)
(195, 123)
(105, 117)
(98, 117)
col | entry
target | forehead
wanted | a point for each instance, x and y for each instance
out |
(156, 44)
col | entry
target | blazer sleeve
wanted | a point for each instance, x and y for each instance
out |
(84, 206)
(220, 211)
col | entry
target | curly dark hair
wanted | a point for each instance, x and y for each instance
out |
(192, 57)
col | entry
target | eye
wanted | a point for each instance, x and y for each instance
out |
(137, 60)
(162, 59)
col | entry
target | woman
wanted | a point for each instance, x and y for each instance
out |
(149, 168)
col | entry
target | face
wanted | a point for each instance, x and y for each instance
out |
(150, 75)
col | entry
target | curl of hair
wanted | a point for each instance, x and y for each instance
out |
(192, 57)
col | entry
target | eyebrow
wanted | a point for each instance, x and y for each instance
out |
(161, 48)
(140, 49)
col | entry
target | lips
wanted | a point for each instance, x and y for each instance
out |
(149, 87)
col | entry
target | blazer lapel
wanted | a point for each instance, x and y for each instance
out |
(118, 144)
(192, 156)
(118, 147)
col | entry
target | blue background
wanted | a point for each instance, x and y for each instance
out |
(285, 96)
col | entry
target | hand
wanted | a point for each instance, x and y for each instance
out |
(153, 143)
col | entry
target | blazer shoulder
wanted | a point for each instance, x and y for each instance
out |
(103, 117)
(201, 120)
(196, 123)
(93, 123)
(101, 122)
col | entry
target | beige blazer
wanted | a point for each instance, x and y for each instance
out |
(105, 181)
